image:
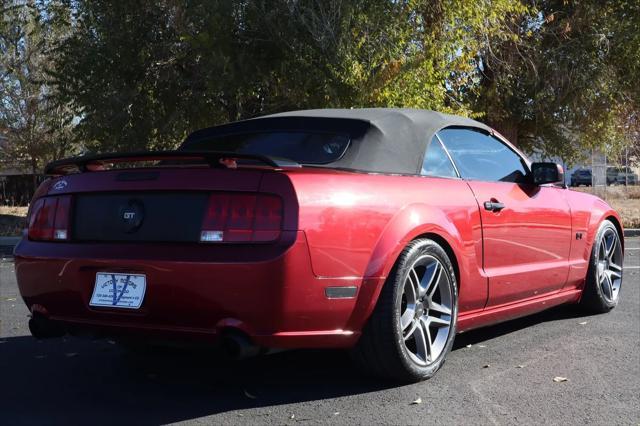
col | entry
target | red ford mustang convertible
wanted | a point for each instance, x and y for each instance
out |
(386, 231)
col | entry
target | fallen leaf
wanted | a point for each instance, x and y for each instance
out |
(486, 366)
(519, 366)
(468, 346)
(482, 346)
(583, 322)
(336, 413)
(248, 395)
(416, 402)
(293, 416)
(559, 379)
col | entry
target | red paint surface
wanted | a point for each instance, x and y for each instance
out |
(339, 229)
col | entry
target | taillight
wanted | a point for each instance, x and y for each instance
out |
(242, 218)
(49, 219)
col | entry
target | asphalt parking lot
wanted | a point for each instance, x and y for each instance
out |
(505, 376)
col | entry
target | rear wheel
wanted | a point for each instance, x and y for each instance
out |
(604, 276)
(413, 326)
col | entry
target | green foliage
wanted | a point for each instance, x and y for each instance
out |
(565, 82)
(36, 126)
(555, 76)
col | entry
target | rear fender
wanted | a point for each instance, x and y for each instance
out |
(410, 223)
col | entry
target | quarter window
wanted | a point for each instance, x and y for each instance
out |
(437, 162)
(479, 156)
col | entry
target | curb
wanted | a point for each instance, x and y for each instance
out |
(632, 232)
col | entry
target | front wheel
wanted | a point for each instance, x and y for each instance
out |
(604, 276)
(413, 326)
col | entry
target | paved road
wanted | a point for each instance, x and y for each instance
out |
(75, 381)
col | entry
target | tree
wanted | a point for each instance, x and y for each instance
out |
(546, 73)
(559, 87)
(37, 129)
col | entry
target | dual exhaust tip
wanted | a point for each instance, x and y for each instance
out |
(234, 344)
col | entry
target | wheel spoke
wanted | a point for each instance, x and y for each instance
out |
(427, 332)
(421, 343)
(603, 250)
(613, 274)
(407, 318)
(607, 287)
(439, 308)
(434, 280)
(612, 245)
(415, 282)
(601, 273)
(412, 330)
(439, 322)
(613, 266)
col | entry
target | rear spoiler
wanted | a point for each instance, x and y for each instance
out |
(87, 163)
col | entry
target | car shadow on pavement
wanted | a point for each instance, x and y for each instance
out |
(83, 381)
(558, 313)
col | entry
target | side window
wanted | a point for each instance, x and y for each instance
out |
(479, 156)
(437, 162)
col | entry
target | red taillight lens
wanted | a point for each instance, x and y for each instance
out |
(268, 219)
(49, 219)
(242, 218)
(61, 223)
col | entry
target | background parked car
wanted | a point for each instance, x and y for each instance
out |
(581, 177)
(621, 176)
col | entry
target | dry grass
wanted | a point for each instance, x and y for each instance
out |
(625, 200)
(12, 220)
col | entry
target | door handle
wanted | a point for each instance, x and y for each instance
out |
(493, 206)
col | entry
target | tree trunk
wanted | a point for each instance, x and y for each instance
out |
(34, 173)
(507, 128)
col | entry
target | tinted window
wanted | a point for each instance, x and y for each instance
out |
(437, 162)
(480, 156)
(302, 147)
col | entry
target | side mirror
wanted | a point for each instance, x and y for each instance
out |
(547, 173)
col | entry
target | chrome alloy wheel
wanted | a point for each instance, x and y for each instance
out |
(609, 263)
(425, 310)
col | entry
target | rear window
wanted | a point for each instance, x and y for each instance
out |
(301, 147)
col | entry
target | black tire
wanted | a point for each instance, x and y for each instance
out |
(381, 350)
(594, 296)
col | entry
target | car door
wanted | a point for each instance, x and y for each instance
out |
(526, 228)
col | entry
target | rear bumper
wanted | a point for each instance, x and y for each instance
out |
(195, 292)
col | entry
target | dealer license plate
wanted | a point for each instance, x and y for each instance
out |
(118, 290)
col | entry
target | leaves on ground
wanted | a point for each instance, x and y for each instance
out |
(559, 379)
(416, 402)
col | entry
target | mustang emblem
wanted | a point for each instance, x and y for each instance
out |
(60, 185)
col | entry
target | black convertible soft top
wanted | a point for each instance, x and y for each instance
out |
(383, 140)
